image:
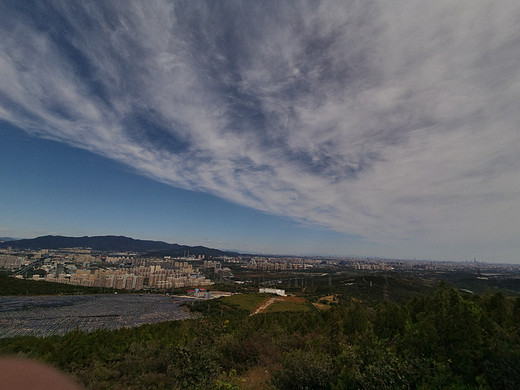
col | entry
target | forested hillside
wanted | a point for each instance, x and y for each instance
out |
(444, 340)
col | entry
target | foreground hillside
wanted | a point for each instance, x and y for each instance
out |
(444, 340)
(12, 286)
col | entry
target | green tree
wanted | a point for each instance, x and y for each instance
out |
(304, 370)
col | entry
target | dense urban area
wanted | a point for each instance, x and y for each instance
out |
(134, 271)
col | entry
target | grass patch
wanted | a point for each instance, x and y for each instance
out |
(245, 301)
(293, 305)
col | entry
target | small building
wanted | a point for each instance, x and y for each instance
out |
(275, 291)
(197, 293)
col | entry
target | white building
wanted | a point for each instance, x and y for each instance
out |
(276, 291)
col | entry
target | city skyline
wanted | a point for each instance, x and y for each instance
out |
(334, 128)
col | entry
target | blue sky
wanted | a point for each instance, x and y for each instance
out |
(52, 188)
(343, 128)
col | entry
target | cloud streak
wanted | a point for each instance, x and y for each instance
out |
(394, 122)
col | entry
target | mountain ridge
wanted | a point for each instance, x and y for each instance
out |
(113, 243)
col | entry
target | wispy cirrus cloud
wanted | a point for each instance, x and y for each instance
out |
(395, 122)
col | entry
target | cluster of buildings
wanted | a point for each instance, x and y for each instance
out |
(125, 271)
(131, 271)
(279, 263)
(12, 262)
(134, 278)
(376, 266)
(368, 264)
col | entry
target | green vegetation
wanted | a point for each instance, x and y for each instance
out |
(247, 302)
(289, 306)
(12, 286)
(443, 340)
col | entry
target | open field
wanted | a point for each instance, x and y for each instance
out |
(245, 301)
(256, 303)
(285, 304)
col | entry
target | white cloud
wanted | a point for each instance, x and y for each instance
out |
(395, 122)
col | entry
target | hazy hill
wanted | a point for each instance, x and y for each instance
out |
(112, 244)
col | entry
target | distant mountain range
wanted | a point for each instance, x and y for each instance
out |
(114, 244)
(6, 239)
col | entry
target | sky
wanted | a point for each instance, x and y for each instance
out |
(341, 128)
